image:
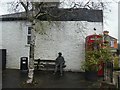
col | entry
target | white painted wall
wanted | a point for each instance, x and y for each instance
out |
(0, 35)
(67, 37)
(14, 39)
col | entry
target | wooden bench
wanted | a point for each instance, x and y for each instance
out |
(45, 64)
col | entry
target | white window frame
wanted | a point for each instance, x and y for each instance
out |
(28, 35)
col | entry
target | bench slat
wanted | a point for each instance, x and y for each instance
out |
(45, 64)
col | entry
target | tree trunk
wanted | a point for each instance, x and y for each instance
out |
(32, 45)
(31, 55)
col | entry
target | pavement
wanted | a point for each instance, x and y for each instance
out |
(0, 71)
(46, 79)
(0, 79)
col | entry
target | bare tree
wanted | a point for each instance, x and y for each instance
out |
(31, 15)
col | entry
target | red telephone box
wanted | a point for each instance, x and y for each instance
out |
(90, 45)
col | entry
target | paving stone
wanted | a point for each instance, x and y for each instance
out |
(46, 79)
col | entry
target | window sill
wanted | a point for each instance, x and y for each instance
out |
(28, 45)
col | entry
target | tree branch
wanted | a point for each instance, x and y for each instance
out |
(25, 6)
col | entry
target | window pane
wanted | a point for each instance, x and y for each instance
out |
(28, 39)
(112, 43)
(29, 30)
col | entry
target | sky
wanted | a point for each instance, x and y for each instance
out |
(111, 20)
(110, 17)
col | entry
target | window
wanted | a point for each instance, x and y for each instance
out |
(29, 35)
(29, 30)
(112, 43)
(28, 39)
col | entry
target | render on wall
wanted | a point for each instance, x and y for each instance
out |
(0, 35)
(67, 37)
(65, 34)
(14, 39)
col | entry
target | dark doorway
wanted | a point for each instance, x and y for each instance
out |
(3, 58)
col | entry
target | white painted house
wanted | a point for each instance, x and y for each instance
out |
(66, 34)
